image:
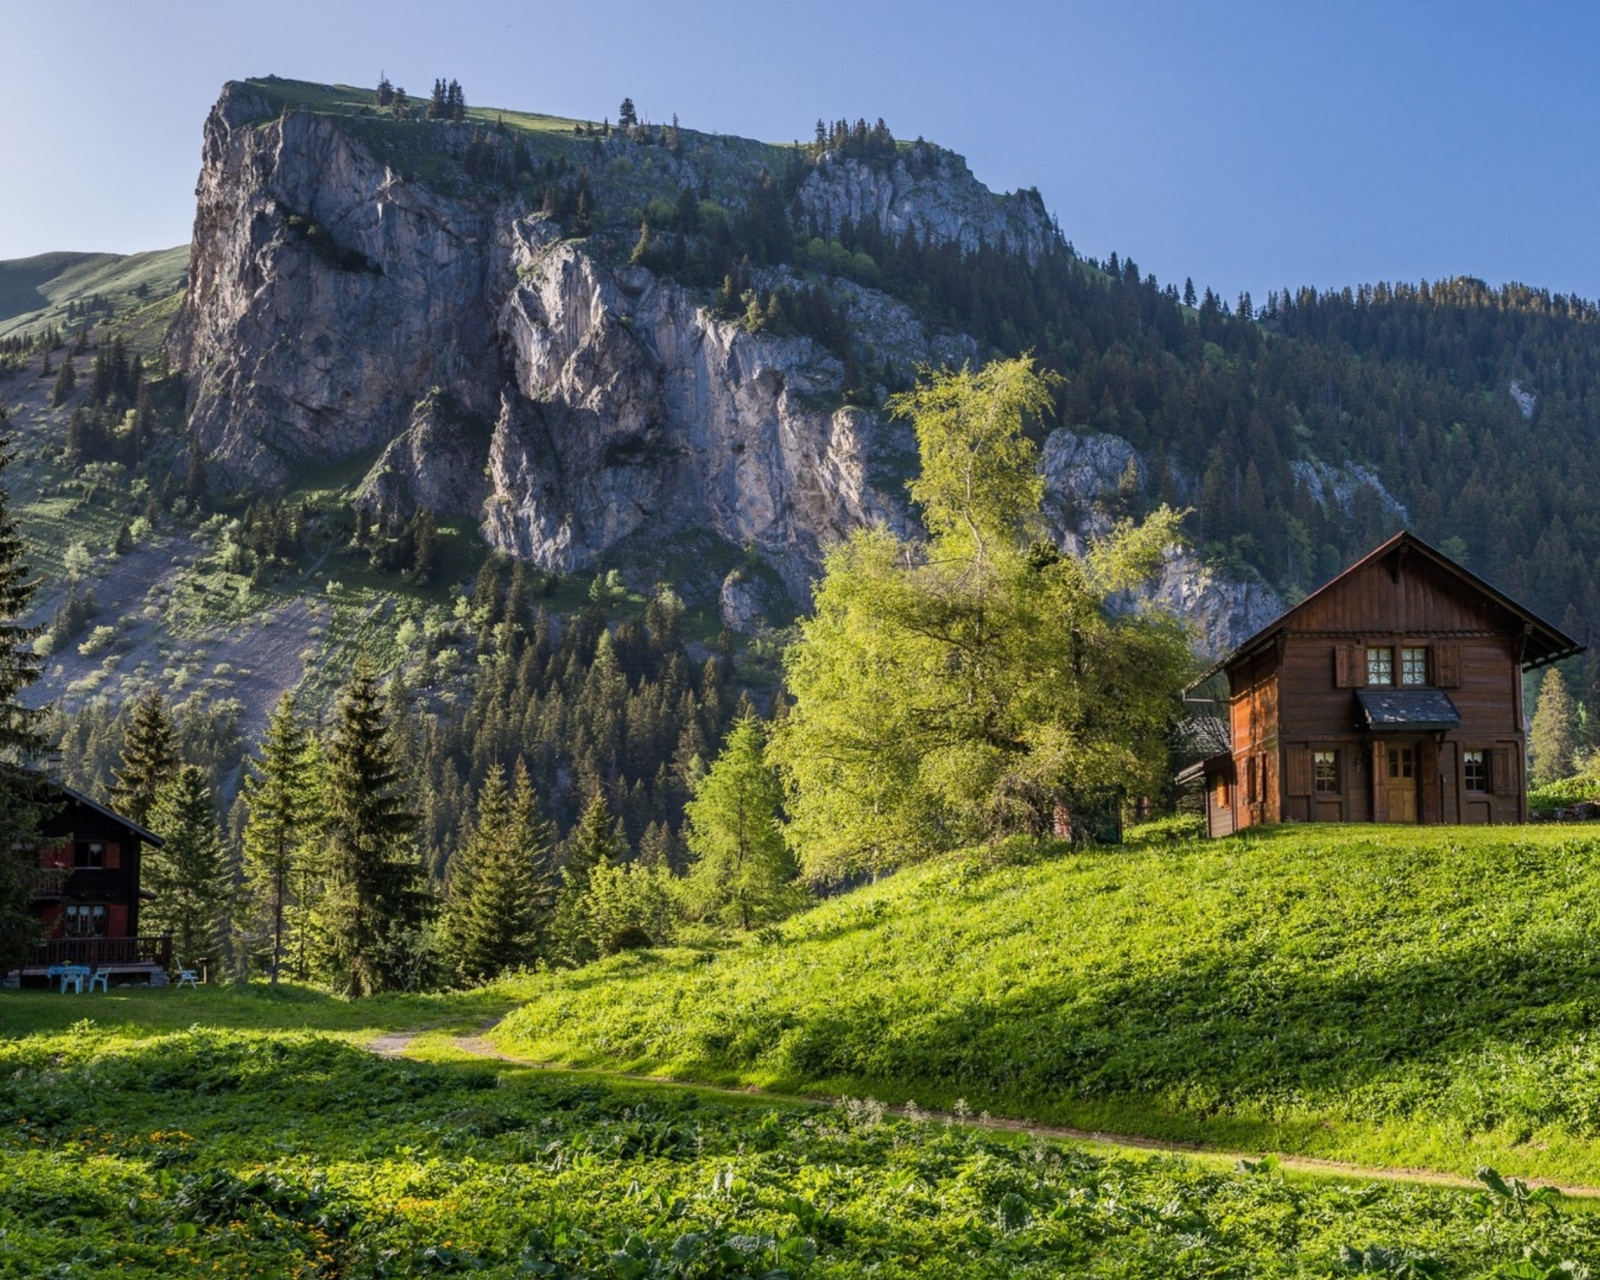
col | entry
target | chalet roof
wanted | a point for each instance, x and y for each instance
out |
(149, 837)
(1425, 710)
(1545, 643)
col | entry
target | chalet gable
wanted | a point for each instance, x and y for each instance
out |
(1406, 587)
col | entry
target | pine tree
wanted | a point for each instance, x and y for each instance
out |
(187, 874)
(743, 872)
(66, 380)
(149, 757)
(592, 844)
(1553, 737)
(25, 795)
(375, 901)
(627, 117)
(279, 797)
(1188, 292)
(501, 885)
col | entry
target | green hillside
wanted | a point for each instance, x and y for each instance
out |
(1407, 997)
(35, 292)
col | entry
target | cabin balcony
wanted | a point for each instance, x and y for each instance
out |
(103, 953)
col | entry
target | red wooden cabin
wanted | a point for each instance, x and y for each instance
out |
(1391, 694)
(88, 895)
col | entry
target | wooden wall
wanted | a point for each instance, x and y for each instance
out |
(1288, 700)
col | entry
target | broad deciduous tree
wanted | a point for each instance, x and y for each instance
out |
(980, 683)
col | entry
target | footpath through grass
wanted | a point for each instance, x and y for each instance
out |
(240, 1148)
(1421, 997)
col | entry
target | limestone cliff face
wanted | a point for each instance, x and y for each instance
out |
(326, 296)
(930, 191)
(574, 411)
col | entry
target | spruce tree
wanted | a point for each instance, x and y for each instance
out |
(591, 845)
(501, 886)
(149, 758)
(375, 901)
(66, 380)
(26, 797)
(1553, 737)
(278, 795)
(188, 873)
(743, 873)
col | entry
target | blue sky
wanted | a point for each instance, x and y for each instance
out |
(1248, 145)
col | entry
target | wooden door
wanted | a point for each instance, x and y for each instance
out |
(1400, 780)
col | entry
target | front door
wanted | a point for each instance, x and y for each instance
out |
(1401, 783)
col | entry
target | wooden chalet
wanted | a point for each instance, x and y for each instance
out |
(1391, 694)
(88, 896)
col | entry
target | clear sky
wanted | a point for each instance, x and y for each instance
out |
(1248, 145)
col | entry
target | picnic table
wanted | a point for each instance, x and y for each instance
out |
(76, 974)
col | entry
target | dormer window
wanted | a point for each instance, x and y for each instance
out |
(1380, 666)
(1414, 666)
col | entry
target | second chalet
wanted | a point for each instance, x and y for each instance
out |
(1391, 694)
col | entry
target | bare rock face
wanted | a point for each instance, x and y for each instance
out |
(567, 407)
(436, 463)
(931, 191)
(325, 295)
(1090, 479)
(747, 601)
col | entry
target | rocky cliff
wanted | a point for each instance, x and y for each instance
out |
(572, 405)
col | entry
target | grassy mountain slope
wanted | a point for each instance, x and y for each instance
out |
(1393, 996)
(241, 1132)
(34, 292)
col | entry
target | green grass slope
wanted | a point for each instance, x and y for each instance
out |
(34, 292)
(1416, 997)
(163, 1133)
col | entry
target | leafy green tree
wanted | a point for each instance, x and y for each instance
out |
(743, 873)
(375, 900)
(25, 795)
(501, 887)
(281, 821)
(984, 683)
(149, 757)
(188, 874)
(1553, 736)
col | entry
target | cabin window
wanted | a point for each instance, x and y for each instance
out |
(1380, 666)
(88, 853)
(1325, 772)
(86, 921)
(1476, 768)
(1414, 666)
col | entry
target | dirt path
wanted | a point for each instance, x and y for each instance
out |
(394, 1044)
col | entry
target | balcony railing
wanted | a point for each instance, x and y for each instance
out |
(103, 953)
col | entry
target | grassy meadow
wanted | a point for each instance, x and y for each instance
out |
(244, 1133)
(1420, 997)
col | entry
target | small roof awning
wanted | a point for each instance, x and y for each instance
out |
(1201, 769)
(1407, 710)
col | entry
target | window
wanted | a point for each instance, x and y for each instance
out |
(1325, 772)
(1476, 768)
(88, 854)
(86, 921)
(1414, 666)
(1380, 666)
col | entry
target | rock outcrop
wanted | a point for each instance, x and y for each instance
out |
(569, 406)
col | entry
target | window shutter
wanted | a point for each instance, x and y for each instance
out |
(1380, 784)
(1350, 666)
(113, 856)
(1502, 772)
(1299, 770)
(117, 920)
(1446, 662)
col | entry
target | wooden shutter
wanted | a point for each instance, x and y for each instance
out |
(1445, 660)
(1349, 666)
(1428, 773)
(113, 856)
(1299, 770)
(1502, 772)
(117, 920)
